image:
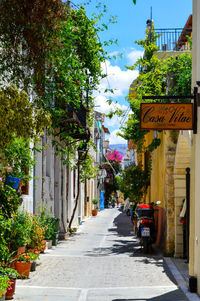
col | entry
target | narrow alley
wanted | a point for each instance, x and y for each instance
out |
(101, 262)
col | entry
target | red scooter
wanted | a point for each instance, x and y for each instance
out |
(146, 229)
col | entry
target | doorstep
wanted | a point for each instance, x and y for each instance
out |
(179, 270)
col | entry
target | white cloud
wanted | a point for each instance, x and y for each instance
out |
(114, 53)
(134, 55)
(101, 105)
(114, 139)
(120, 81)
(117, 79)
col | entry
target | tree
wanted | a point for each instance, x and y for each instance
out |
(53, 51)
(134, 182)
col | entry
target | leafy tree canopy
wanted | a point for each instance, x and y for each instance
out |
(134, 182)
(54, 53)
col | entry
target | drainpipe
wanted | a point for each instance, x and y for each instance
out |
(34, 184)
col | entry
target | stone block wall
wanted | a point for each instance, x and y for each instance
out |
(169, 196)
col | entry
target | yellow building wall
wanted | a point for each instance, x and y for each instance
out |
(158, 173)
(162, 183)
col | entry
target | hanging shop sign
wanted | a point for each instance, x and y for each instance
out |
(166, 116)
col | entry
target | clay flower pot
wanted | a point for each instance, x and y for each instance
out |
(23, 268)
(11, 290)
(21, 250)
(94, 212)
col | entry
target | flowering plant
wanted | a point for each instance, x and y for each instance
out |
(4, 284)
(115, 159)
(36, 235)
(25, 257)
(114, 156)
(9, 272)
(33, 256)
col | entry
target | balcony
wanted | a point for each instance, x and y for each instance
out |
(172, 40)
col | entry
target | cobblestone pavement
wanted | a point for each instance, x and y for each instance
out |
(101, 262)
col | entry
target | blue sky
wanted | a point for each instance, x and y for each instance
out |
(130, 26)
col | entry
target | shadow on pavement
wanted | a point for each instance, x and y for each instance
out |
(177, 295)
(126, 242)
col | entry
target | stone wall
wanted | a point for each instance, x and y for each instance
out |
(182, 161)
(169, 197)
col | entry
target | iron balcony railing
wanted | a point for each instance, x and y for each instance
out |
(173, 39)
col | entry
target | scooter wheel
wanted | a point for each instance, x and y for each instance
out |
(145, 246)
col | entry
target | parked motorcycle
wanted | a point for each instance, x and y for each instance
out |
(146, 228)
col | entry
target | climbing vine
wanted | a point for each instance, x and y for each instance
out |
(170, 76)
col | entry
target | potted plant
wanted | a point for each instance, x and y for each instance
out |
(20, 160)
(95, 210)
(4, 284)
(12, 274)
(20, 230)
(23, 265)
(36, 236)
(7, 261)
(51, 226)
(34, 257)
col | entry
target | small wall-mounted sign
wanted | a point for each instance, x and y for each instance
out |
(166, 116)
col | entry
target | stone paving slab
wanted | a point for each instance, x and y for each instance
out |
(135, 294)
(46, 294)
(96, 294)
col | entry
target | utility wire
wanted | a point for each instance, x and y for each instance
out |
(125, 116)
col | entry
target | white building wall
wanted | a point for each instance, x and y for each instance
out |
(38, 180)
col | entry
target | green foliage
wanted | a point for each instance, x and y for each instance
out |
(27, 32)
(95, 201)
(9, 272)
(50, 225)
(88, 169)
(33, 256)
(180, 73)
(9, 200)
(134, 182)
(16, 116)
(4, 284)
(7, 258)
(54, 52)
(19, 155)
(5, 230)
(171, 76)
(36, 234)
(20, 230)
